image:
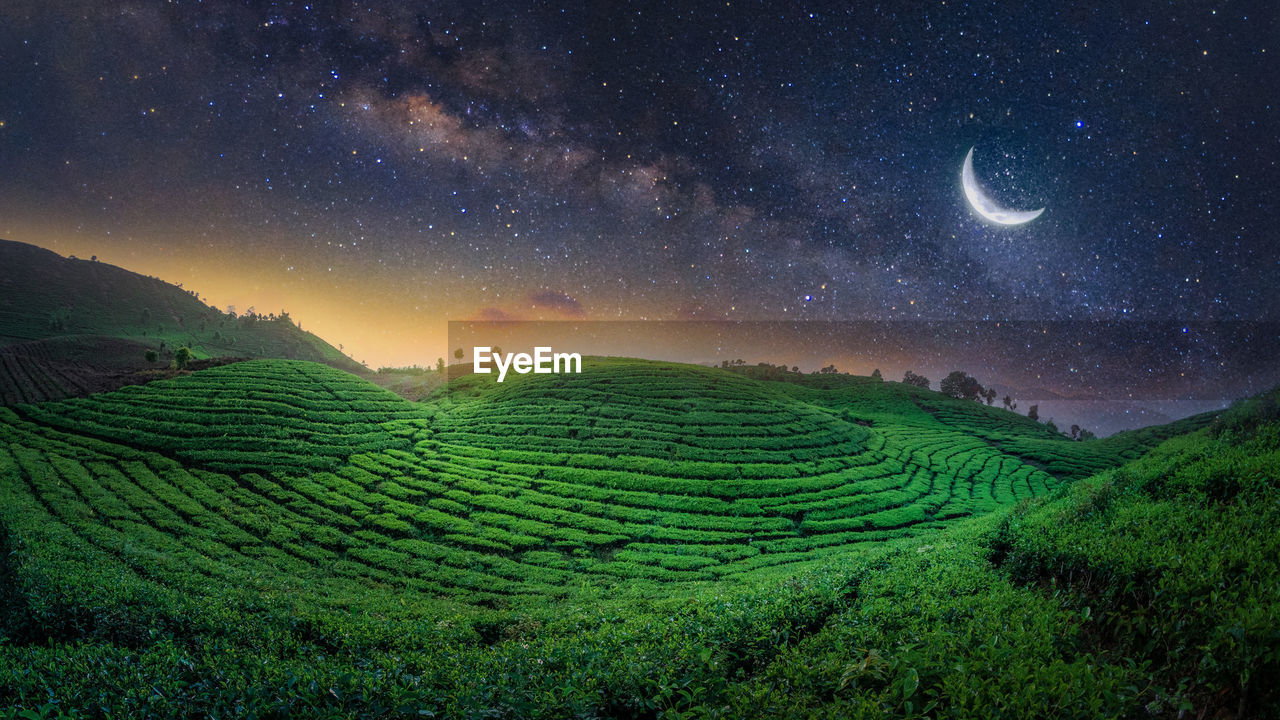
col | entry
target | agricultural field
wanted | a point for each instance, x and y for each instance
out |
(72, 327)
(285, 536)
(646, 475)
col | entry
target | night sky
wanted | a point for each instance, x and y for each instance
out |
(377, 168)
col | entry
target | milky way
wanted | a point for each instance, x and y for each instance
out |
(394, 164)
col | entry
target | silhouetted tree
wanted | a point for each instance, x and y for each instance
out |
(795, 368)
(1008, 403)
(439, 364)
(1033, 412)
(919, 381)
(1087, 435)
(181, 357)
(1075, 432)
(457, 354)
(990, 396)
(960, 384)
(875, 375)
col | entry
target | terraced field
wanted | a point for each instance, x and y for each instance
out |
(650, 477)
(645, 540)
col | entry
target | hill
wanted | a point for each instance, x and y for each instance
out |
(71, 327)
(275, 537)
(637, 475)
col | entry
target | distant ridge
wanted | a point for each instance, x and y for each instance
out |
(70, 327)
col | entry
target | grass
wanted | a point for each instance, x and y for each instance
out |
(644, 539)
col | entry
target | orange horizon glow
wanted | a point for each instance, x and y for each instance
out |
(374, 321)
(368, 321)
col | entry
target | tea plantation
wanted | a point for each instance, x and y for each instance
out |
(280, 538)
(72, 327)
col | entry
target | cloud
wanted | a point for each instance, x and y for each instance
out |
(556, 301)
(493, 314)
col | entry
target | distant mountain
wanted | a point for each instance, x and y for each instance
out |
(1094, 412)
(1103, 417)
(70, 327)
(1040, 393)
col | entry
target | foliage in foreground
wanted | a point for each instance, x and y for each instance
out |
(1148, 591)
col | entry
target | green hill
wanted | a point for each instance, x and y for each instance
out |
(638, 475)
(71, 327)
(279, 537)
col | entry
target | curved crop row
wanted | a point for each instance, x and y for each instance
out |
(637, 473)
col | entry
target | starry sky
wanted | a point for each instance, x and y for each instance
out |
(379, 168)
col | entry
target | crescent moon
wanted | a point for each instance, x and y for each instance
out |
(985, 206)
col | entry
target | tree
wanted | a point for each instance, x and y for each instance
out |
(990, 396)
(439, 364)
(181, 357)
(1008, 403)
(1075, 432)
(875, 375)
(919, 381)
(1087, 435)
(1033, 412)
(457, 354)
(150, 356)
(960, 384)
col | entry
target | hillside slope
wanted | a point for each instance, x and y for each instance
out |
(653, 478)
(644, 538)
(69, 327)
(1152, 590)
